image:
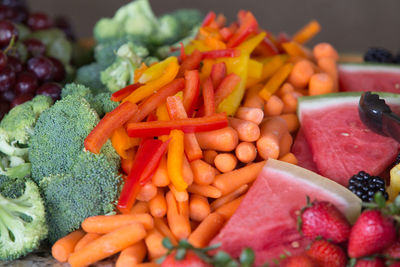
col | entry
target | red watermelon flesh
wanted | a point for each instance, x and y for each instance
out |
(301, 149)
(369, 77)
(342, 145)
(266, 218)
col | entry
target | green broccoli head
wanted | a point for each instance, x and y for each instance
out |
(22, 218)
(91, 188)
(103, 100)
(188, 19)
(168, 31)
(89, 75)
(106, 29)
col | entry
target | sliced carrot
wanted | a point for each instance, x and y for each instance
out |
(321, 83)
(198, 207)
(255, 115)
(292, 121)
(187, 171)
(289, 103)
(225, 162)
(209, 156)
(154, 245)
(147, 192)
(132, 255)
(178, 195)
(102, 224)
(272, 131)
(324, 50)
(207, 230)
(160, 177)
(285, 144)
(246, 152)
(252, 98)
(178, 224)
(301, 73)
(228, 209)
(86, 239)
(247, 131)
(205, 190)
(225, 139)
(158, 205)
(163, 228)
(273, 106)
(139, 207)
(64, 247)
(203, 173)
(229, 197)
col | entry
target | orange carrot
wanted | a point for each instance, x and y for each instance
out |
(285, 144)
(140, 207)
(64, 247)
(163, 228)
(328, 65)
(246, 152)
(179, 225)
(198, 207)
(160, 177)
(207, 230)
(301, 74)
(292, 121)
(158, 205)
(247, 131)
(290, 158)
(285, 88)
(252, 99)
(187, 172)
(274, 106)
(289, 103)
(272, 131)
(102, 224)
(183, 208)
(209, 156)
(228, 209)
(154, 245)
(230, 181)
(225, 139)
(107, 245)
(203, 172)
(205, 190)
(229, 197)
(323, 50)
(255, 115)
(307, 32)
(86, 239)
(179, 195)
(321, 83)
(147, 192)
(132, 255)
(147, 264)
(225, 162)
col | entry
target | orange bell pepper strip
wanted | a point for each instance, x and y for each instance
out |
(124, 92)
(192, 62)
(175, 160)
(270, 66)
(192, 91)
(107, 125)
(155, 71)
(126, 164)
(122, 142)
(307, 32)
(294, 49)
(275, 81)
(168, 74)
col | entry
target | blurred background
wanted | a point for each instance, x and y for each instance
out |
(351, 26)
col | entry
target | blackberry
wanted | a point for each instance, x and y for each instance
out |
(377, 54)
(365, 186)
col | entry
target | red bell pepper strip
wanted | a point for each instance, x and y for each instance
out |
(124, 92)
(210, 17)
(221, 53)
(226, 33)
(176, 111)
(192, 62)
(144, 156)
(153, 101)
(191, 91)
(220, 20)
(226, 87)
(248, 25)
(107, 125)
(183, 54)
(152, 165)
(218, 73)
(208, 97)
(266, 48)
(191, 125)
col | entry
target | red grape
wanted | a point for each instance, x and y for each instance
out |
(7, 31)
(58, 70)
(50, 89)
(21, 99)
(42, 67)
(8, 95)
(7, 79)
(39, 21)
(3, 60)
(15, 64)
(26, 83)
(34, 47)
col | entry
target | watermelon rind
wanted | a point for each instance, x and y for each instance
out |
(369, 67)
(353, 207)
(319, 102)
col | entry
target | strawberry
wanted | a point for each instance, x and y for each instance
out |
(300, 261)
(190, 260)
(393, 251)
(323, 219)
(371, 233)
(375, 262)
(327, 254)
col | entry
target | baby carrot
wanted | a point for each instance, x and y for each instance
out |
(229, 197)
(228, 209)
(179, 225)
(289, 103)
(154, 245)
(86, 239)
(64, 247)
(328, 65)
(147, 264)
(160, 177)
(207, 230)
(272, 131)
(140, 207)
(322, 50)
(183, 208)
(132, 255)
(285, 88)
(205, 190)
(292, 121)
(209, 156)
(246, 152)
(252, 99)
(198, 207)
(107, 245)
(187, 172)
(203, 172)
(290, 158)
(158, 205)
(179, 195)
(230, 181)
(102, 224)
(301, 74)
(225, 139)
(321, 83)
(255, 115)
(247, 131)
(147, 192)
(225, 162)
(163, 228)
(285, 144)
(274, 106)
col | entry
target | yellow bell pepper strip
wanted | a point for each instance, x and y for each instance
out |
(175, 160)
(307, 32)
(107, 125)
(294, 49)
(155, 71)
(149, 88)
(275, 81)
(206, 69)
(271, 65)
(238, 65)
(255, 68)
(162, 115)
(196, 45)
(122, 142)
(139, 71)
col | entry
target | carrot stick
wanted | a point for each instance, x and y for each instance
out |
(107, 245)
(179, 225)
(274, 106)
(163, 228)
(228, 209)
(289, 103)
(102, 224)
(154, 245)
(207, 230)
(198, 207)
(158, 205)
(230, 181)
(225, 162)
(187, 172)
(147, 192)
(275, 82)
(209, 156)
(140, 207)
(247, 131)
(132, 255)
(323, 50)
(64, 247)
(292, 121)
(205, 190)
(178, 195)
(290, 158)
(307, 32)
(203, 173)
(285, 144)
(301, 73)
(255, 115)
(225, 139)
(86, 239)
(160, 177)
(246, 152)
(229, 197)
(208, 97)
(321, 83)
(272, 131)
(252, 99)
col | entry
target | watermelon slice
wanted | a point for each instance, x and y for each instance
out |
(369, 77)
(266, 218)
(301, 149)
(340, 143)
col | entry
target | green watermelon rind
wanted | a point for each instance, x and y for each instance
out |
(332, 100)
(369, 67)
(317, 181)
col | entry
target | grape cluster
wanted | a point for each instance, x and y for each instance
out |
(21, 81)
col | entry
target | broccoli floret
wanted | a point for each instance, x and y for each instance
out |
(104, 102)
(188, 19)
(165, 50)
(106, 29)
(121, 72)
(91, 188)
(22, 218)
(89, 75)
